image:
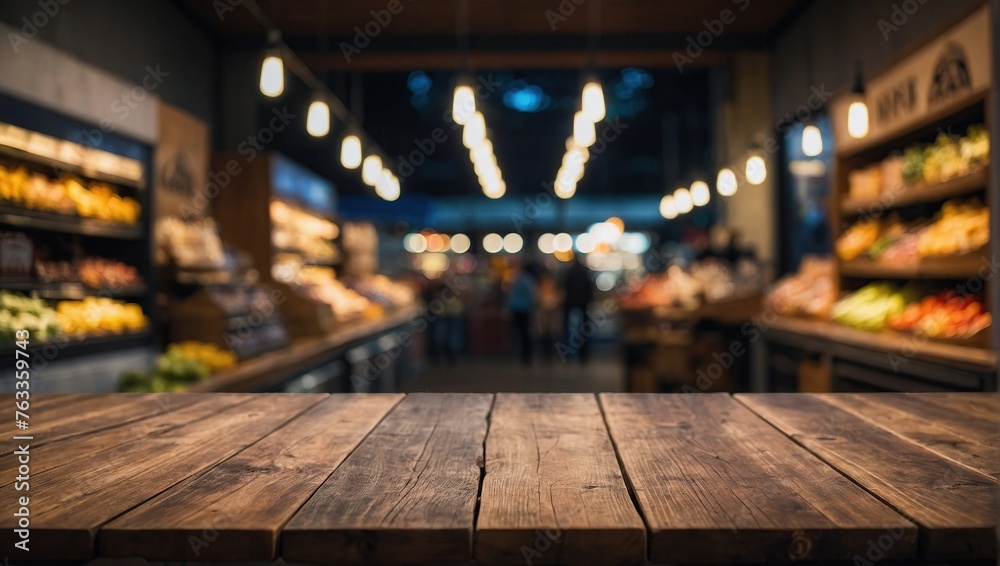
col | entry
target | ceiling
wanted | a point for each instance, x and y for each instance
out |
(503, 33)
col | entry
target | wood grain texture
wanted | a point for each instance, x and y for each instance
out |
(69, 505)
(553, 492)
(118, 437)
(244, 501)
(980, 405)
(716, 483)
(954, 506)
(407, 495)
(958, 435)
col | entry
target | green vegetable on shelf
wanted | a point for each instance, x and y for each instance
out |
(172, 372)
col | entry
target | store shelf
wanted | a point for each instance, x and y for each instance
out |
(919, 194)
(897, 344)
(72, 291)
(61, 348)
(944, 267)
(63, 166)
(24, 218)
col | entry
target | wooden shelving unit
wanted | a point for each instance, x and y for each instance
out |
(974, 182)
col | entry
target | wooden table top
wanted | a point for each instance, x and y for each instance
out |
(508, 478)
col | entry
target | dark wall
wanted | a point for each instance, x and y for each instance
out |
(123, 37)
(834, 34)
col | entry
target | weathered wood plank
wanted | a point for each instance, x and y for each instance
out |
(954, 506)
(980, 405)
(407, 494)
(69, 505)
(716, 483)
(235, 510)
(961, 436)
(104, 444)
(68, 416)
(553, 492)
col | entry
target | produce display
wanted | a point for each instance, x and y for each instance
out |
(811, 292)
(18, 312)
(192, 244)
(949, 157)
(237, 300)
(172, 372)
(66, 195)
(870, 307)
(209, 355)
(945, 315)
(959, 228)
(320, 285)
(709, 280)
(297, 231)
(99, 315)
(383, 290)
(98, 273)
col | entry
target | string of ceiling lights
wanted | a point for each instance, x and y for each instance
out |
(592, 110)
(356, 148)
(684, 200)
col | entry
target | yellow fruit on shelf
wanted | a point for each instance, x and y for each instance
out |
(99, 315)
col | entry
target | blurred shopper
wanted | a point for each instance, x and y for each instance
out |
(521, 304)
(579, 292)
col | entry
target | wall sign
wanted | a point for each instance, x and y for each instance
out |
(180, 167)
(947, 72)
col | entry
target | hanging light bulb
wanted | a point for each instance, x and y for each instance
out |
(318, 118)
(584, 134)
(484, 152)
(474, 133)
(350, 152)
(857, 119)
(564, 188)
(756, 170)
(726, 182)
(682, 198)
(495, 189)
(371, 169)
(668, 208)
(812, 141)
(272, 75)
(463, 105)
(700, 195)
(857, 112)
(593, 101)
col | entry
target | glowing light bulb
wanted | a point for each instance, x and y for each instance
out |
(584, 134)
(700, 195)
(812, 141)
(756, 170)
(565, 187)
(463, 105)
(593, 101)
(318, 119)
(668, 208)
(350, 152)
(371, 169)
(682, 198)
(474, 133)
(857, 119)
(492, 243)
(726, 183)
(272, 76)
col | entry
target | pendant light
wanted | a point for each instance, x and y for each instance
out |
(593, 101)
(371, 169)
(350, 152)
(272, 70)
(668, 208)
(318, 118)
(726, 183)
(812, 141)
(700, 195)
(857, 112)
(682, 198)
(756, 170)
(463, 105)
(584, 134)
(474, 132)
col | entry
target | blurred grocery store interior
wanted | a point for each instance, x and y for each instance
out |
(516, 195)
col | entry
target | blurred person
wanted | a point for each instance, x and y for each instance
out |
(521, 304)
(548, 313)
(578, 293)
